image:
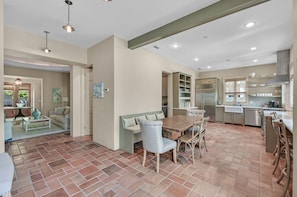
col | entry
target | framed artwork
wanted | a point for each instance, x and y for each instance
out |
(98, 90)
(57, 95)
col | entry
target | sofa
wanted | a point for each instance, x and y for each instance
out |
(60, 116)
(130, 129)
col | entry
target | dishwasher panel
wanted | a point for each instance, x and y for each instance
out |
(252, 117)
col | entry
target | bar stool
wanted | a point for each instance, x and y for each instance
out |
(288, 151)
(279, 147)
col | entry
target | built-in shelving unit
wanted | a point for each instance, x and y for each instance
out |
(181, 90)
(258, 87)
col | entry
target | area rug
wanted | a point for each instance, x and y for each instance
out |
(19, 133)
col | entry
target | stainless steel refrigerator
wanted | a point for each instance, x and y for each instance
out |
(207, 96)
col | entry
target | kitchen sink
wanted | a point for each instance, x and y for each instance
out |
(234, 109)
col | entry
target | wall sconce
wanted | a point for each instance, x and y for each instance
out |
(18, 82)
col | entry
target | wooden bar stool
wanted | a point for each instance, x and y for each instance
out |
(288, 151)
(279, 147)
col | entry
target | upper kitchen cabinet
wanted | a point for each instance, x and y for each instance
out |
(260, 87)
(181, 90)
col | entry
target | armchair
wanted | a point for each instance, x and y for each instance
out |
(153, 141)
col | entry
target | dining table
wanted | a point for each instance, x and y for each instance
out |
(175, 126)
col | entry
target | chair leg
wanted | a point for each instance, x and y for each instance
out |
(144, 157)
(178, 145)
(158, 162)
(193, 153)
(174, 155)
(205, 144)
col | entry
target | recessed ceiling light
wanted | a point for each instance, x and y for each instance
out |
(250, 24)
(196, 59)
(107, 0)
(255, 60)
(208, 67)
(175, 45)
(253, 48)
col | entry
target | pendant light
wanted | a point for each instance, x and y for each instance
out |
(18, 82)
(68, 27)
(46, 49)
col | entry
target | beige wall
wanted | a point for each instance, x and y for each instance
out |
(267, 69)
(28, 43)
(134, 78)
(50, 80)
(2, 145)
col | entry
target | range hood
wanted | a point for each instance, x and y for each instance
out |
(282, 68)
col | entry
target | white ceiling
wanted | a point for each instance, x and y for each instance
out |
(220, 44)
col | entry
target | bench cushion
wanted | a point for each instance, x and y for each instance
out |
(134, 129)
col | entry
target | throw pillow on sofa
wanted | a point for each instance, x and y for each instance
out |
(59, 111)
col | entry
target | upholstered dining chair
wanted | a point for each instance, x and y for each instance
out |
(192, 138)
(195, 112)
(153, 141)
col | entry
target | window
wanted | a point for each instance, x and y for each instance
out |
(235, 91)
(16, 94)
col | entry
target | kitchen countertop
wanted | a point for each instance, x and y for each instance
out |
(287, 118)
(255, 107)
(185, 108)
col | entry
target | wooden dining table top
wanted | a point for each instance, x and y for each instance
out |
(179, 123)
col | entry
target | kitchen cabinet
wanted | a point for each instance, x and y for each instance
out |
(219, 114)
(181, 90)
(234, 118)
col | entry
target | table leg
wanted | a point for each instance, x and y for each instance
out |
(20, 114)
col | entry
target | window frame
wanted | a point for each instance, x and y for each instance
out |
(16, 88)
(235, 93)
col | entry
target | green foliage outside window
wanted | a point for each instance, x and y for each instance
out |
(23, 94)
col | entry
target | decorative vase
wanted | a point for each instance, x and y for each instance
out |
(36, 113)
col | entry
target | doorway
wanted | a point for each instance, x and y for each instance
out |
(165, 93)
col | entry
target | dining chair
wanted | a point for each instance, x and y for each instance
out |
(203, 133)
(153, 141)
(195, 112)
(192, 138)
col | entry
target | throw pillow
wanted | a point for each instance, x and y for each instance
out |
(67, 110)
(151, 117)
(59, 111)
(139, 118)
(160, 116)
(128, 122)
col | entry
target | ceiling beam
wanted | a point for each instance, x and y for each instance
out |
(202, 16)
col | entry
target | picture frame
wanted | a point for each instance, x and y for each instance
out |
(57, 95)
(98, 90)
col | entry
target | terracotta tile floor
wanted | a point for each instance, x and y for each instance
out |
(236, 164)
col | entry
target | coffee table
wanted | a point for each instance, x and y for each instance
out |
(29, 123)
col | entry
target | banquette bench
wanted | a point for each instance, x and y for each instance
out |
(130, 129)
